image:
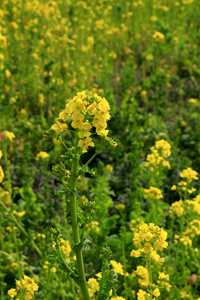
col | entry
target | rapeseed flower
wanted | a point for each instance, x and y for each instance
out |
(86, 111)
(117, 267)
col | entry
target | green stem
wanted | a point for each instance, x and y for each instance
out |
(76, 236)
(124, 259)
(66, 148)
(89, 161)
(64, 262)
(21, 228)
(101, 285)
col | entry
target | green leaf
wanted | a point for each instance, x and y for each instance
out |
(106, 284)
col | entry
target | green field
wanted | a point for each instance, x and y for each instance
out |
(99, 150)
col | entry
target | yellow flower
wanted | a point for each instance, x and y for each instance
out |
(120, 206)
(118, 268)
(154, 18)
(53, 270)
(173, 188)
(142, 295)
(1, 154)
(1, 174)
(12, 293)
(156, 292)
(7, 73)
(189, 174)
(59, 127)
(10, 135)
(93, 286)
(193, 101)
(84, 144)
(42, 155)
(19, 214)
(153, 193)
(109, 168)
(158, 36)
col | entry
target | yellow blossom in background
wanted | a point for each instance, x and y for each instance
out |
(93, 286)
(143, 94)
(10, 135)
(173, 188)
(12, 293)
(120, 206)
(42, 155)
(27, 286)
(1, 174)
(149, 57)
(154, 18)
(19, 214)
(7, 73)
(1, 154)
(164, 147)
(65, 248)
(4, 195)
(176, 208)
(93, 226)
(109, 168)
(189, 175)
(158, 155)
(53, 270)
(117, 267)
(153, 193)
(158, 36)
(193, 101)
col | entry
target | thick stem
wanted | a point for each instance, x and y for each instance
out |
(76, 236)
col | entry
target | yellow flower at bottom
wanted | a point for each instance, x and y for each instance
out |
(84, 144)
(156, 292)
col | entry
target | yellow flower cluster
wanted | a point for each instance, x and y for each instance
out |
(42, 155)
(135, 224)
(120, 206)
(10, 135)
(93, 286)
(86, 111)
(189, 175)
(117, 267)
(153, 193)
(158, 36)
(27, 286)
(150, 239)
(64, 247)
(163, 281)
(176, 208)
(19, 214)
(5, 196)
(160, 152)
(109, 168)
(144, 281)
(1, 174)
(93, 226)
